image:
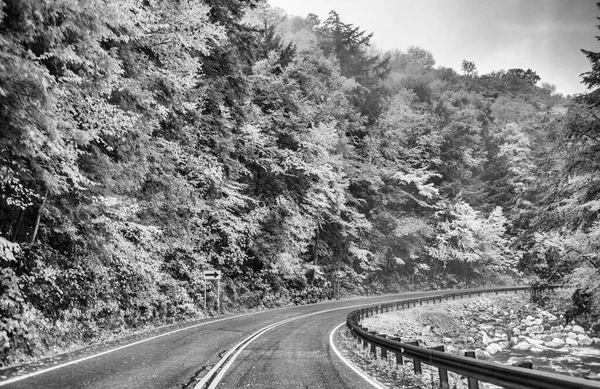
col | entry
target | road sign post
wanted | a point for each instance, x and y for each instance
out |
(213, 275)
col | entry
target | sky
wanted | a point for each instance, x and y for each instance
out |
(544, 35)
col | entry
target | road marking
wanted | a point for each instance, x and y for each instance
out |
(249, 339)
(337, 352)
(216, 374)
(19, 378)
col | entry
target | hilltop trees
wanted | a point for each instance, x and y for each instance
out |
(143, 143)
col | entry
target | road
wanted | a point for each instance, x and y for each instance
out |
(292, 354)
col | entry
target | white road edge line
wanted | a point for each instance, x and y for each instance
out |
(241, 346)
(26, 376)
(364, 376)
(19, 378)
(221, 374)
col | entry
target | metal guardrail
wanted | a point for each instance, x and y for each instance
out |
(475, 370)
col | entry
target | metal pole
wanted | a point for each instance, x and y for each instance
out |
(218, 296)
(205, 307)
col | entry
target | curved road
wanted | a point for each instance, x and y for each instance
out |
(293, 354)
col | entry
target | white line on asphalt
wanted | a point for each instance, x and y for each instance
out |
(256, 334)
(19, 378)
(337, 352)
(242, 345)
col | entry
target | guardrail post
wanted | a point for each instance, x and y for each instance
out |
(473, 384)
(398, 355)
(384, 355)
(444, 384)
(373, 347)
(416, 364)
(526, 364)
(420, 302)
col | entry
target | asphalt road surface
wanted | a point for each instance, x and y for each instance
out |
(293, 353)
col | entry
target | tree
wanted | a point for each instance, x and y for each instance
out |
(469, 69)
(528, 75)
(349, 45)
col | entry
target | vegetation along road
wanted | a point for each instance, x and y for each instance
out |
(291, 351)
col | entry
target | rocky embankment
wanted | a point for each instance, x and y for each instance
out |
(491, 326)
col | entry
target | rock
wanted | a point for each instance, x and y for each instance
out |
(535, 329)
(571, 342)
(485, 339)
(568, 328)
(555, 343)
(493, 348)
(529, 318)
(559, 341)
(537, 322)
(551, 317)
(482, 354)
(572, 335)
(537, 342)
(557, 328)
(552, 345)
(522, 346)
(596, 340)
(447, 340)
(537, 349)
(584, 340)
(516, 331)
(547, 338)
(578, 330)
(470, 339)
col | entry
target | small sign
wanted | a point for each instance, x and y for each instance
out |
(212, 274)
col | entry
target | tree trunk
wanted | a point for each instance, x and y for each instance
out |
(316, 257)
(39, 216)
(15, 233)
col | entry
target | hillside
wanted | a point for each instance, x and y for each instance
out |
(143, 143)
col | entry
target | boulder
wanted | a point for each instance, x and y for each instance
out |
(572, 335)
(493, 348)
(578, 330)
(551, 317)
(571, 342)
(584, 340)
(482, 354)
(537, 342)
(537, 322)
(552, 345)
(535, 329)
(537, 349)
(558, 328)
(559, 341)
(522, 346)
(485, 339)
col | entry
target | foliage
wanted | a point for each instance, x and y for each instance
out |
(142, 143)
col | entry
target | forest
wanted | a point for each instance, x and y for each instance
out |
(145, 142)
